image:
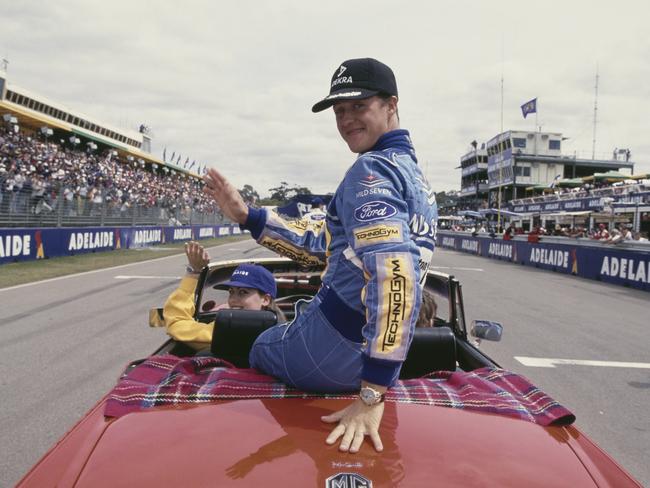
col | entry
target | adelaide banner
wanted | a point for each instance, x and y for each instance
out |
(605, 263)
(24, 244)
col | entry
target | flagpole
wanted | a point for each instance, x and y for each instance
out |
(537, 127)
(593, 142)
(500, 162)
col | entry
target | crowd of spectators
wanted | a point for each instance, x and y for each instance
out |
(620, 233)
(594, 189)
(40, 176)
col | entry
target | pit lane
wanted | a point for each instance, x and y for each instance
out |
(64, 342)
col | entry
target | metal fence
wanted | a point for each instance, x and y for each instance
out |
(27, 209)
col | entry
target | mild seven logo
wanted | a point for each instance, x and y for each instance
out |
(374, 211)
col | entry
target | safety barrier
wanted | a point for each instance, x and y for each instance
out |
(24, 244)
(623, 264)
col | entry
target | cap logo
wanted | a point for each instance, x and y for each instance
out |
(341, 70)
(342, 79)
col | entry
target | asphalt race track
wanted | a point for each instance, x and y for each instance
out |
(64, 342)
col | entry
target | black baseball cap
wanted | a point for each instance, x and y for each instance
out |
(356, 79)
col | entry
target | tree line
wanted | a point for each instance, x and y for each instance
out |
(279, 195)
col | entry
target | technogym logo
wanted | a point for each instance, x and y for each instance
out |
(396, 305)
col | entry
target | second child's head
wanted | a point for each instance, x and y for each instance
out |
(251, 287)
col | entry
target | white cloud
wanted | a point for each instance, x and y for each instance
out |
(231, 84)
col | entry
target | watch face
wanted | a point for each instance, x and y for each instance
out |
(368, 395)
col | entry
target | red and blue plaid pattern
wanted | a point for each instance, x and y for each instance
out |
(170, 380)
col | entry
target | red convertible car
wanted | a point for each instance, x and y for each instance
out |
(182, 419)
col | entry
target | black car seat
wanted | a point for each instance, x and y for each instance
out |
(236, 330)
(432, 349)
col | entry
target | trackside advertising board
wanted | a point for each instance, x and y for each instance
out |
(24, 244)
(605, 263)
(580, 204)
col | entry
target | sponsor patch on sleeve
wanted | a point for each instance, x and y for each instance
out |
(299, 226)
(294, 253)
(370, 235)
(396, 296)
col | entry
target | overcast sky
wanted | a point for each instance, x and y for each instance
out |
(231, 84)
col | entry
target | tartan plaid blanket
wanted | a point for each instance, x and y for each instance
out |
(170, 380)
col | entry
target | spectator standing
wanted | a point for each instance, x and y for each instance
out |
(626, 233)
(533, 235)
(317, 213)
(3, 179)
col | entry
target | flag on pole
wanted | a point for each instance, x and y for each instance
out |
(554, 182)
(187, 160)
(178, 161)
(165, 154)
(192, 165)
(529, 107)
(172, 158)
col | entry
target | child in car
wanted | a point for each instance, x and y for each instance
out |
(250, 287)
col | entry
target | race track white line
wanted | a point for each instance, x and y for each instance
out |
(102, 270)
(143, 277)
(552, 363)
(455, 267)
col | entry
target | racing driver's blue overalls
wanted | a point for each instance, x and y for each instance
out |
(377, 244)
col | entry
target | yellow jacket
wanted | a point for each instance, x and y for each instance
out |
(178, 312)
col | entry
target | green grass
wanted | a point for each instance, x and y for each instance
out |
(29, 271)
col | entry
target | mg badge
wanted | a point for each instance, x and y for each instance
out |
(347, 480)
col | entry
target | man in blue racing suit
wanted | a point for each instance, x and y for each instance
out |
(377, 243)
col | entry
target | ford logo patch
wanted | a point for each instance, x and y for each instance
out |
(374, 211)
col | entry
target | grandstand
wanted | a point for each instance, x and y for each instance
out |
(474, 178)
(539, 185)
(59, 167)
(514, 161)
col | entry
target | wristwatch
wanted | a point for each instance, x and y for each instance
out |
(370, 396)
(190, 270)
